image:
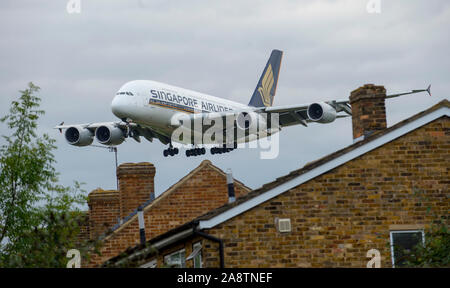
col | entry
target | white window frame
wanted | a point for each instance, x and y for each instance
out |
(183, 261)
(198, 253)
(391, 236)
(151, 264)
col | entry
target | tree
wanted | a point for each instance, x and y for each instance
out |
(435, 252)
(39, 218)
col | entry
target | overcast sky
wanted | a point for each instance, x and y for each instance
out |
(220, 48)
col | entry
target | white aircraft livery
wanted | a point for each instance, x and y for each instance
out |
(152, 110)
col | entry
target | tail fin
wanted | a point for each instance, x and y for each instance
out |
(267, 85)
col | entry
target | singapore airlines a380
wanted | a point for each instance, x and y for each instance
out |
(155, 110)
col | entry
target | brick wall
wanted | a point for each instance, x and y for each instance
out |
(338, 216)
(202, 190)
(103, 211)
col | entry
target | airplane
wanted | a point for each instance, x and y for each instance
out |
(148, 109)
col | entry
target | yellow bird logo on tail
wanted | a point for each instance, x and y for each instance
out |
(266, 86)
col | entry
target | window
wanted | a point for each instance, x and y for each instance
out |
(402, 242)
(125, 93)
(151, 264)
(196, 255)
(176, 259)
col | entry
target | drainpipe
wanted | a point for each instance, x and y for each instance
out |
(230, 184)
(141, 225)
(214, 239)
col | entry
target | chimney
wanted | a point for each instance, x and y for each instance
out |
(368, 110)
(230, 185)
(103, 211)
(136, 185)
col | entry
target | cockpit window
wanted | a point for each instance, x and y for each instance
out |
(125, 93)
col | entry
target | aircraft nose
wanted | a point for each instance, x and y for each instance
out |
(119, 106)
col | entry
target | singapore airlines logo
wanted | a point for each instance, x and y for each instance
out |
(266, 86)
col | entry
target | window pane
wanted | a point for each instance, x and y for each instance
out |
(198, 257)
(176, 259)
(403, 243)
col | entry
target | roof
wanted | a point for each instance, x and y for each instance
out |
(304, 174)
(322, 165)
(149, 204)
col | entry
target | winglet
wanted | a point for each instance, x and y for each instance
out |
(60, 130)
(429, 90)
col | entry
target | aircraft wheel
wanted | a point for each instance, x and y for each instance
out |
(203, 150)
(175, 150)
(165, 153)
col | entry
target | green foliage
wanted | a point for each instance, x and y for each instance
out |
(39, 218)
(434, 253)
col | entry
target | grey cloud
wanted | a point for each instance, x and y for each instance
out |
(331, 47)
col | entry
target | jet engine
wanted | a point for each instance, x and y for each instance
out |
(79, 136)
(109, 135)
(321, 112)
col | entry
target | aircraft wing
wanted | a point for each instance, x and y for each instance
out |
(131, 129)
(91, 126)
(297, 114)
(288, 115)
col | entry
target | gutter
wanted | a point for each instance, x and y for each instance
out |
(157, 245)
(214, 239)
(161, 242)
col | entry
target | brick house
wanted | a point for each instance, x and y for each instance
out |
(112, 214)
(382, 191)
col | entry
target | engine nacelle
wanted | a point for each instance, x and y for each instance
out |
(321, 112)
(247, 120)
(109, 135)
(79, 136)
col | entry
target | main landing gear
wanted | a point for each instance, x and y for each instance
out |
(195, 152)
(170, 151)
(221, 150)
